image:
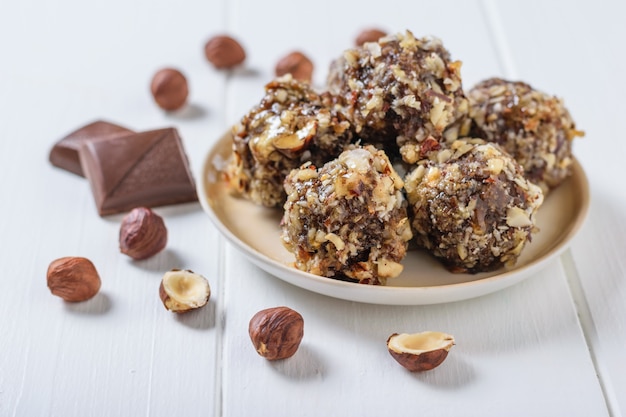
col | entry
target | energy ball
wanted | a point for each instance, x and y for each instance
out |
(534, 127)
(348, 219)
(291, 125)
(402, 91)
(472, 207)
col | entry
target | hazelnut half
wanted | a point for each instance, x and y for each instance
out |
(369, 35)
(420, 351)
(297, 64)
(73, 278)
(224, 52)
(184, 290)
(169, 89)
(276, 332)
(142, 233)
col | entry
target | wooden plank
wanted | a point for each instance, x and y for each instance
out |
(584, 67)
(121, 353)
(515, 348)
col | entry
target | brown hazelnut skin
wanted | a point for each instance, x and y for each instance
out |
(169, 89)
(276, 332)
(142, 233)
(297, 64)
(73, 278)
(369, 35)
(224, 52)
(427, 357)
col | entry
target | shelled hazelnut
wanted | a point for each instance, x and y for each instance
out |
(276, 332)
(142, 233)
(297, 64)
(169, 89)
(184, 290)
(224, 52)
(369, 35)
(73, 278)
(420, 351)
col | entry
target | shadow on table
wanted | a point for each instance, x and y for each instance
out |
(200, 319)
(98, 305)
(454, 373)
(305, 364)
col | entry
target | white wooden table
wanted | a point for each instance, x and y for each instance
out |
(552, 345)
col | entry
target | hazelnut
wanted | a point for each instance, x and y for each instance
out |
(297, 64)
(276, 332)
(142, 233)
(73, 278)
(169, 89)
(420, 351)
(184, 290)
(369, 35)
(224, 52)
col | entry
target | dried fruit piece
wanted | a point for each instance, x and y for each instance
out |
(297, 64)
(420, 351)
(142, 234)
(276, 332)
(73, 278)
(224, 52)
(184, 290)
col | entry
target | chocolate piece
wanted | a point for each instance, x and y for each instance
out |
(64, 154)
(144, 169)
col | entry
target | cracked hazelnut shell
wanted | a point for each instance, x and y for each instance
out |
(276, 332)
(419, 352)
(73, 278)
(182, 290)
(142, 233)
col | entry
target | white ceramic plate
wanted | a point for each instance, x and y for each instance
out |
(255, 231)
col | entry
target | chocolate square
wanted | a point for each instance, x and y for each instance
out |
(64, 153)
(143, 169)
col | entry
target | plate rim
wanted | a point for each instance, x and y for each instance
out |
(392, 295)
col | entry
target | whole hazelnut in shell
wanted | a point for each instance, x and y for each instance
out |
(420, 351)
(169, 89)
(73, 278)
(142, 233)
(276, 332)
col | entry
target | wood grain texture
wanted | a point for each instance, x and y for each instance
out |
(583, 68)
(551, 345)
